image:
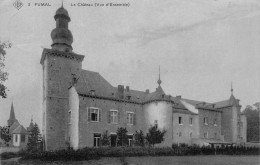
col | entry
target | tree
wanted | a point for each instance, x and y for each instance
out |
(105, 139)
(3, 73)
(34, 139)
(4, 131)
(253, 118)
(155, 136)
(139, 138)
(122, 138)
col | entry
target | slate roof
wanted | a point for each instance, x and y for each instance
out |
(12, 115)
(20, 130)
(90, 80)
(14, 126)
(223, 103)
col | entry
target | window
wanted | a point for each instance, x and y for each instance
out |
(205, 134)
(113, 138)
(113, 117)
(215, 135)
(69, 117)
(97, 139)
(22, 138)
(180, 120)
(156, 123)
(130, 140)
(205, 120)
(94, 114)
(191, 135)
(215, 122)
(191, 121)
(179, 134)
(16, 138)
(130, 118)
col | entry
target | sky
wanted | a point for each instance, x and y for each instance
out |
(201, 46)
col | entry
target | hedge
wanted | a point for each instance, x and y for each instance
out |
(175, 150)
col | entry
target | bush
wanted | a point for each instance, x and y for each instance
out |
(96, 153)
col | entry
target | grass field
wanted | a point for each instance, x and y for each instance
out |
(170, 160)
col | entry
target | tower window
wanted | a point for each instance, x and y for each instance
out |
(205, 120)
(69, 117)
(215, 122)
(180, 134)
(191, 121)
(205, 134)
(180, 120)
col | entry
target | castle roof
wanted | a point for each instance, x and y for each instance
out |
(92, 84)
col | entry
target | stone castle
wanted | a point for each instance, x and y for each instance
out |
(79, 105)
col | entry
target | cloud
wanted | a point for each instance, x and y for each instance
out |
(221, 12)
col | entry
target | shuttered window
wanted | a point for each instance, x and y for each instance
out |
(130, 118)
(94, 114)
(113, 116)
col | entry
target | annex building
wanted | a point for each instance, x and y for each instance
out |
(79, 105)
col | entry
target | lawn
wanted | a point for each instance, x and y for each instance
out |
(162, 160)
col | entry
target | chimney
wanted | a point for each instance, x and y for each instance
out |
(178, 97)
(120, 91)
(147, 91)
(127, 88)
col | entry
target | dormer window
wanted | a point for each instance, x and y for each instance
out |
(128, 97)
(92, 92)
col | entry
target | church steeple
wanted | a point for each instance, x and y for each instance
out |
(61, 36)
(12, 118)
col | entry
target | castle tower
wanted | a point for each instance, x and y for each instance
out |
(12, 118)
(60, 67)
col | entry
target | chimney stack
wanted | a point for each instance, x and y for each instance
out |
(147, 91)
(120, 91)
(127, 88)
(178, 97)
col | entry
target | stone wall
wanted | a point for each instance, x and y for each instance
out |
(159, 112)
(58, 70)
(88, 128)
(212, 128)
(185, 131)
(226, 124)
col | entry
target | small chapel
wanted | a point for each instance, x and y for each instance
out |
(80, 105)
(19, 135)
